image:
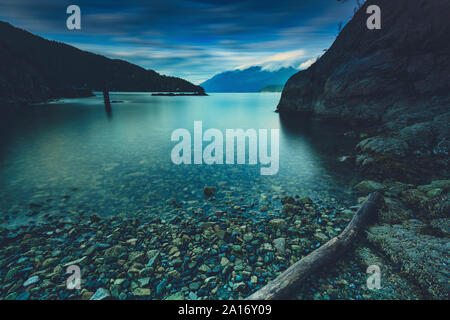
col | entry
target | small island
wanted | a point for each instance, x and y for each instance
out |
(272, 88)
(171, 94)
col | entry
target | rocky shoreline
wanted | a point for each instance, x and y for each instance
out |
(413, 233)
(225, 254)
(390, 87)
(409, 242)
(221, 255)
(227, 247)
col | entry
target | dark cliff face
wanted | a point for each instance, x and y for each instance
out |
(33, 69)
(395, 80)
(366, 74)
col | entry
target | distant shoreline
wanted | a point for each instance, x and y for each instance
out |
(171, 94)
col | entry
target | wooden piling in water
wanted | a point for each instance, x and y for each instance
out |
(106, 99)
(108, 108)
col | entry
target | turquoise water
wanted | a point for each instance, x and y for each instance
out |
(70, 155)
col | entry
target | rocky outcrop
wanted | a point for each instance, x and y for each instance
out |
(423, 257)
(395, 80)
(412, 235)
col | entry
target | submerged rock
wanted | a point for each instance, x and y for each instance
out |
(209, 191)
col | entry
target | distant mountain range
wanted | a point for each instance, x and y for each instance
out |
(252, 79)
(33, 69)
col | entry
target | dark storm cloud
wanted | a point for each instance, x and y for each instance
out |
(192, 39)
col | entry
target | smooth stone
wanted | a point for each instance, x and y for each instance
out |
(176, 296)
(248, 237)
(86, 295)
(135, 256)
(144, 281)
(75, 262)
(224, 261)
(139, 292)
(194, 286)
(204, 268)
(239, 286)
(100, 294)
(280, 244)
(152, 256)
(161, 287)
(236, 248)
(277, 223)
(192, 296)
(31, 281)
(119, 282)
(174, 274)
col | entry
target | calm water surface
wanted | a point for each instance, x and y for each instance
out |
(70, 156)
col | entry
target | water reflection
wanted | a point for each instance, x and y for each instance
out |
(326, 139)
(124, 166)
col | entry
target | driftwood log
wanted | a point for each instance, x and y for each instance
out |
(291, 279)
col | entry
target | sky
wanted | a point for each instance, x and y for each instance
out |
(193, 39)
